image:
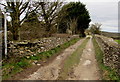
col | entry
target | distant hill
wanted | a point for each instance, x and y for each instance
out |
(111, 34)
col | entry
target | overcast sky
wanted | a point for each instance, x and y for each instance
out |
(104, 12)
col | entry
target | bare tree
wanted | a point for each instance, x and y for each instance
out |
(48, 12)
(95, 28)
(18, 8)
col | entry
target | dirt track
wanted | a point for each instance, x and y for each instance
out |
(51, 71)
(87, 68)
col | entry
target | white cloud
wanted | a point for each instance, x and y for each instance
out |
(105, 13)
(101, 11)
(110, 28)
(93, 0)
(98, 0)
(111, 23)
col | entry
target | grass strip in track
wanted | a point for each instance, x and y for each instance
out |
(107, 72)
(72, 60)
(15, 65)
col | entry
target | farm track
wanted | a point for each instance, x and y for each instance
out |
(52, 71)
(87, 69)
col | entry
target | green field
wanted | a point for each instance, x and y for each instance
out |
(111, 34)
(118, 41)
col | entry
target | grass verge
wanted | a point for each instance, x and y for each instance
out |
(118, 41)
(16, 65)
(107, 72)
(71, 61)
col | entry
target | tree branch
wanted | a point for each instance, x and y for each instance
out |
(20, 3)
(3, 4)
(24, 8)
(27, 13)
(53, 9)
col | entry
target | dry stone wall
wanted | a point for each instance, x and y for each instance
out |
(31, 48)
(111, 52)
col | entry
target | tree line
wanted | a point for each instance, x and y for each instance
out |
(72, 17)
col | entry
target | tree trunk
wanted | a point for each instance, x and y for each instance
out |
(15, 33)
(15, 29)
(73, 25)
(48, 27)
(15, 23)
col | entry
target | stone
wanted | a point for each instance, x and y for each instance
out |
(87, 62)
(44, 61)
(35, 61)
(21, 48)
(27, 57)
(28, 51)
(26, 47)
(38, 64)
(34, 54)
(21, 52)
(42, 47)
(50, 40)
(31, 52)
